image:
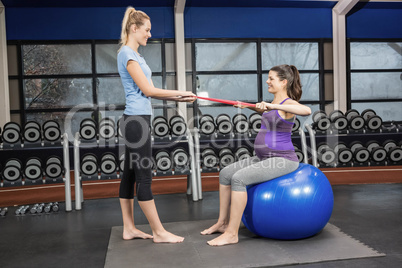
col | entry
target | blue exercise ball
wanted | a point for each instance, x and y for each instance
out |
(293, 206)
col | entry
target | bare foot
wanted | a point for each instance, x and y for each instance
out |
(224, 239)
(167, 237)
(135, 233)
(216, 228)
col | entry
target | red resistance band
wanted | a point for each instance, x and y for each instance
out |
(227, 101)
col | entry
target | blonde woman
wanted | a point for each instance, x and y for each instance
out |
(139, 89)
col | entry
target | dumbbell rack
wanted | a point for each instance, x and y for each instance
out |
(246, 139)
(170, 141)
(22, 153)
(332, 136)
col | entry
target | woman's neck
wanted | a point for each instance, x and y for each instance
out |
(133, 45)
(279, 97)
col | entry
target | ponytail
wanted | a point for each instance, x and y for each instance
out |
(291, 74)
(131, 16)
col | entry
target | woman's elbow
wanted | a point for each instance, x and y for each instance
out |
(306, 111)
(148, 92)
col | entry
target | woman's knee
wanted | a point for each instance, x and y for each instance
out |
(238, 183)
(224, 176)
(144, 192)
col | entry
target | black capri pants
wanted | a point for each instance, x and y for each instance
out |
(138, 158)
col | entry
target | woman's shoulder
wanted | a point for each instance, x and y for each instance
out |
(290, 101)
(126, 53)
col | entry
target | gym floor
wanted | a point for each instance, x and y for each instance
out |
(370, 213)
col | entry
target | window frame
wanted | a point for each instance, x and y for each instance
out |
(322, 102)
(94, 75)
(349, 71)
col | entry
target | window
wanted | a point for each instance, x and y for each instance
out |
(376, 78)
(70, 81)
(238, 70)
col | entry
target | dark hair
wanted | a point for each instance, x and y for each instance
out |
(291, 74)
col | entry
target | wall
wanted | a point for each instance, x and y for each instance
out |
(200, 22)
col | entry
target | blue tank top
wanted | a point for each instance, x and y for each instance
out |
(274, 138)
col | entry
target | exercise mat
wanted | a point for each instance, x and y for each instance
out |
(329, 245)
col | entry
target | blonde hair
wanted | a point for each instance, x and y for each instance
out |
(131, 16)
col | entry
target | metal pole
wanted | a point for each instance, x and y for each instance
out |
(193, 169)
(67, 182)
(312, 144)
(197, 160)
(77, 178)
(304, 145)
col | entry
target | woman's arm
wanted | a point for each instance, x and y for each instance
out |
(291, 106)
(149, 90)
(255, 109)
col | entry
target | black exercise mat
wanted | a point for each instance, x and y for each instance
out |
(251, 251)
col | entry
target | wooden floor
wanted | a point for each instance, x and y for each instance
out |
(15, 196)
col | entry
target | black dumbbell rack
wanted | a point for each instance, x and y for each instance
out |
(331, 137)
(116, 147)
(218, 141)
(23, 151)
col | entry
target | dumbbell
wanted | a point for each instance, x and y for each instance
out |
(180, 158)
(51, 131)
(388, 144)
(177, 125)
(33, 169)
(372, 121)
(11, 133)
(209, 158)
(255, 122)
(32, 132)
(55, 207)
(54, 168)
(296, 125)
(163, 161)
(108, 164)
(34, 208)
(48, 207)
(224, 124)
(344, 153)
(326, 154)
(242, 153)
(356, 121)
(88, 129)
(12, 171)
(350, 113)
(160, 126)
(394, 152)
(240, 123)
(40, 208)
(21, 210)
(89, 166)
(107, 129)
(299, 153)
(226, 157)
(321, 121)
(207, 125)
(377, 152)
(360, 153)
(3, 211)
(338, 120)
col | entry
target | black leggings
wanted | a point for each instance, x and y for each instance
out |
(138, 158)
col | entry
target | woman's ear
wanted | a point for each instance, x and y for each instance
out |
(284, 82)
(133, 28)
